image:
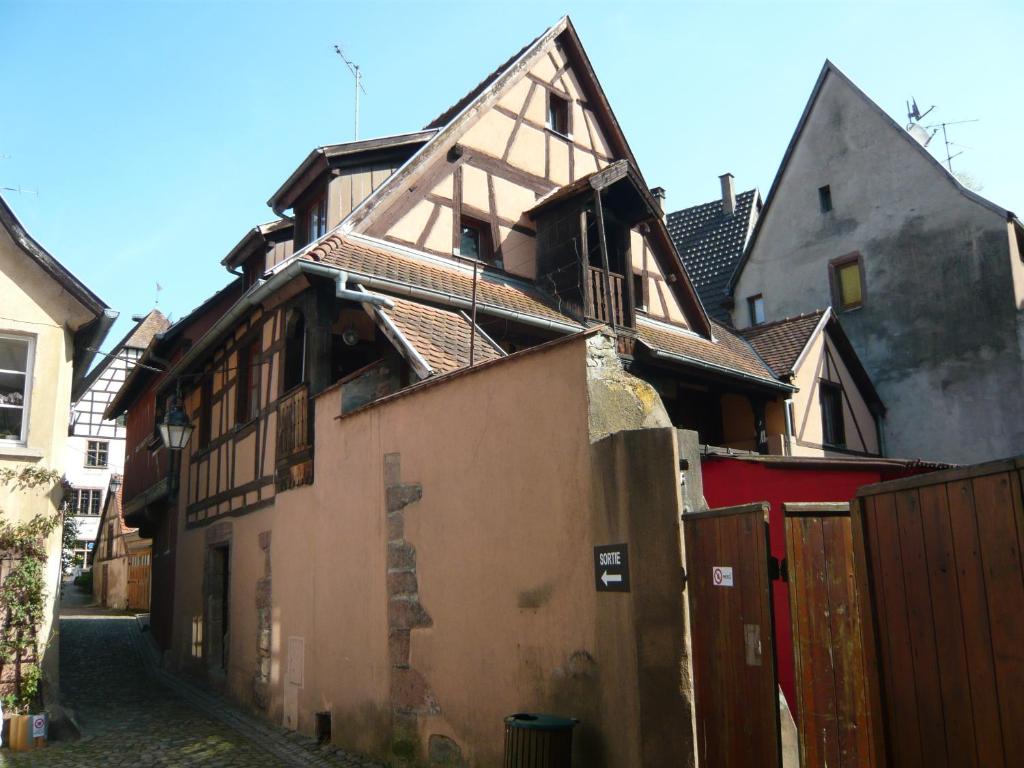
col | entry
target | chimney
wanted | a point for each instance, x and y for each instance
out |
(728, 194)
(659, 196)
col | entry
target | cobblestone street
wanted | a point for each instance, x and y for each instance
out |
(133, 714)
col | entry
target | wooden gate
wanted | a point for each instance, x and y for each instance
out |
(139, 571)
(941, 558)
(735, 688)
(833, 718)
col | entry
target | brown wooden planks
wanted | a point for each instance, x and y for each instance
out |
(834, 720)
(943, 562)
(997, 502)
(975, 624)
(949, 642)
(736, 702)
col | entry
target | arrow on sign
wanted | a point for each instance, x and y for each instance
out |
(611, 578)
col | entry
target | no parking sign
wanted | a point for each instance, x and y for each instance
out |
(721, 576)
(38, 726)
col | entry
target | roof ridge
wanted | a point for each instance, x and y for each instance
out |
(782, 320)
(750, 191)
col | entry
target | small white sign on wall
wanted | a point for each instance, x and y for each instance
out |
(721, 576)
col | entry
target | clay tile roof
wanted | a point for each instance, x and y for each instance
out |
(710, 243)
(377, 261)
(781, 342)
(148, 327)
(440, 336)
(728, 351)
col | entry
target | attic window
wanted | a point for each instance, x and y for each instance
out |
(475, 241)
(639, 297)
(847, 282)
(316, 224)
(558, 114)
(825, 198)
(755, 306)
(831, 398)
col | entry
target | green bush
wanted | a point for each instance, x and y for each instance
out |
(84, 582)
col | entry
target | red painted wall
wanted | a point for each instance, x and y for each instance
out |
(731, 481)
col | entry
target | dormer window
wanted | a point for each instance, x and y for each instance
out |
(316, 222)
(558, 114)
(475, 241)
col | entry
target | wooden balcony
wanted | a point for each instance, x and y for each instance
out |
(605, 308)
(294, 454)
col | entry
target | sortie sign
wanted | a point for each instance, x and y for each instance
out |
(611, 568)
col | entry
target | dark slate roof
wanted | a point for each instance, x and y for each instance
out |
(781, 342)
(711, 244)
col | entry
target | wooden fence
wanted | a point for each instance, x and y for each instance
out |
(833, 717)
(939, 558)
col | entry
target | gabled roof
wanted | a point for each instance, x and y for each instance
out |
(48, 263)
(403, 271)
(151, 360)
(90, 335)
(783, 343)
(831, 70)
(439, 336)
(263, 234)
(711, 242)
(459, 117)
(321, 159)
(623, 175)
(138, 337)
(728, 354)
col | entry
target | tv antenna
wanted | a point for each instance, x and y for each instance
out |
(358, 75)
(20, 190)
(925, 133)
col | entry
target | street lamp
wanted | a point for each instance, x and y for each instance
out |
(176, 428)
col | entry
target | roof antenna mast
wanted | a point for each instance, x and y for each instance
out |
(925, 133)
(358, 75)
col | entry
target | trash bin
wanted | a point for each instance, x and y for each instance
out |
(538, 741)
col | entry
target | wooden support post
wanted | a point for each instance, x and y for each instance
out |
(760, 426)
(602, 241)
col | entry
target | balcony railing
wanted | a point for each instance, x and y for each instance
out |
(600, 305)
(294, 434)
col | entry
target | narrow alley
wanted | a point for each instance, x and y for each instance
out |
(134, 714)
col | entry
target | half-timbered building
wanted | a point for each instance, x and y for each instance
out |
(433, 267)
(95, 446)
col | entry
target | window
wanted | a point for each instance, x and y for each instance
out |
(825, 198)
(475, 241)
(15, 385)
(755, 307)
(86, 501)
(316, 223)
(247, 383)
(294, 350)
(847, 282)
(639, 296)
(831, 398)
(558, 114)
(96, 453)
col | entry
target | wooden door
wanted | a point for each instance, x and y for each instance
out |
(106, 584)
(728, 588)
(833, 716)
(941, 555)
(139, 571)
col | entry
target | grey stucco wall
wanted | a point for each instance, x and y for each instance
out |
(939, 330)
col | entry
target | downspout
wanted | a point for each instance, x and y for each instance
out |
(787, 405)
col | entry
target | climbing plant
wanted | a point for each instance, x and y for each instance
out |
(23, 590)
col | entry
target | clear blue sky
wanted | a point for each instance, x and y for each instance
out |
(154, 132)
